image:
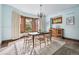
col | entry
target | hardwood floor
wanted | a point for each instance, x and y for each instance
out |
(70, 48)
(6, 42)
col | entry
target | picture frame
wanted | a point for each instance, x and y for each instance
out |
(70, 20)
(57, 20)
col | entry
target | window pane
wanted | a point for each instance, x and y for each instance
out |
(28, 25)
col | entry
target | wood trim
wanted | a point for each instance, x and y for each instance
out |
(70, 39)
(29, 17)
(11, 40)
(33, 25)
(22, 25)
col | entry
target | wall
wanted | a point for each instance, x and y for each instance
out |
(70, 31)
(42, 24)
(0, 22)
(7, 20)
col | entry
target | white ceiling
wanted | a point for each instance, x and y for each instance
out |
(48, 9)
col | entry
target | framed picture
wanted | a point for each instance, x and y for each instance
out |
(57, 20)
(70, 20)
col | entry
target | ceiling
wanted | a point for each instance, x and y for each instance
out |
(47, 9)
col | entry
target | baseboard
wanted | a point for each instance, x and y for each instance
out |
(10, 40)
(70, 39)
(7, 41)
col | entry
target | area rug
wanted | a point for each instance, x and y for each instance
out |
(49, 49)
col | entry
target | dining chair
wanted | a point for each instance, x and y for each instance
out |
(19, 47)
(42, 40)
(47, 37)
(36, 41)
(27, 44)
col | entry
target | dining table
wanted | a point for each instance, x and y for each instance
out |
(33, 34)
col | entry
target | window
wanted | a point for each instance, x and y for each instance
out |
(28, 24)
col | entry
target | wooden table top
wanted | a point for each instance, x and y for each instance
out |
(38, 33)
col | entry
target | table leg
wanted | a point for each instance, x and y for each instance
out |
(33, 41)
(33, 45)
(50, 37)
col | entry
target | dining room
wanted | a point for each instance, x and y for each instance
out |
(39, 29)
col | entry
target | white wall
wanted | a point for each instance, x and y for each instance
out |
(70, 31)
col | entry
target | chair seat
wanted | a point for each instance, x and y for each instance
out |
(41, 39)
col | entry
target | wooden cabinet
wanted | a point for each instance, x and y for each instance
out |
(57, 32)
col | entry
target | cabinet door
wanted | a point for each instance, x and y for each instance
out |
(60, 32)
(57, 32)
(54, 32)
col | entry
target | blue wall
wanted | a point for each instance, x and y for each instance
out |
(0, 22)
(7, 20)
(70, 31)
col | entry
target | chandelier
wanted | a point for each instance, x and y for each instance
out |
(41, 14)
